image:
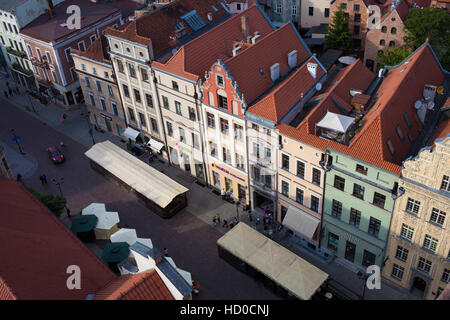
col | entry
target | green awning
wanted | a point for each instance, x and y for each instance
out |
(116, 252)
(84, 223)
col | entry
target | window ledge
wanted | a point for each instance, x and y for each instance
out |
(428, 251)
(411, 213)
(436, 224)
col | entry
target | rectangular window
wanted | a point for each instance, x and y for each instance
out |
(238, 132)
(397, 272)
(316, 176)
(114, 108)
(445, 275)
(355, 29)
(350, 249)
(344, 6)
(49, 58)
(110, 91)
(149, 100)
(430, 243)
(256, 149)
(91, 98)
(294, 11)
(285, 161)
(445, 184)
(219, 81)
(327, 12)
(182, 136)
(301, 169)
(311, 11)
(401, 253)
(92, 38)
(228, 185)
(413, 206)
(368, 258)
(226, 155)
(299, 195)
(223, 102)
(278, 8)
(355, 217)
(216, 177)
(400, 133)
(103, 103)
(81, 46)
(407, 232)
(285, 188)
(144, 75)
(268, 181)
(142, 119)
(192, 115)
(255, 127)
(239, 161)
(98, 85)
(379, 200)
(224, 126)
(178, 108)
(339, 182)
(131, 70)
(267, 154)
(314, 204)
(361, 169)
(336, 209)
(333, 242)
(175, 85)
(437, 216)
(408, 122)
(165, 102)
(131, 114)
(67, 52)
(374, 226)
(211, 120)
(87, 82)
(358, 191)
(154, 125)
(424, 265)
(137, 95)
(257, 174)
(94, 70)
(125, 91)
(120, 66)
(356, 7)
(169, 129)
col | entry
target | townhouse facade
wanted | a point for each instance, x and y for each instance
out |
(49, 52)
(418, 248)
(389, 35)
(284, 11)
(15, 15)
(100, 90)
(314, 13)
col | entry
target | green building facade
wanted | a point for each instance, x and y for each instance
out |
(358, 203)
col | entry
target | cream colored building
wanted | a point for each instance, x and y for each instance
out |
(419, 242)
(101, 94)
(314, 12)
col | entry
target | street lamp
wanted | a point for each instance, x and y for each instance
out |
(16, 140)
(91, 133)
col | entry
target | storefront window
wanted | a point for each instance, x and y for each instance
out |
(216, 177)
(228, 185)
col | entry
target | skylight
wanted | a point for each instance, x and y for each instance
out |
(214, 8)
(194, 20)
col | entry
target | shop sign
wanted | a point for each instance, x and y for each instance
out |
(227, 172)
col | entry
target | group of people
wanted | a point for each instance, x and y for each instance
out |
(225, 224)
(43, 179)
(11, 91)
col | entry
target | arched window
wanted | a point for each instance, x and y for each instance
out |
(384, 29)
(382, 42)
(391, 43)
(393, 30)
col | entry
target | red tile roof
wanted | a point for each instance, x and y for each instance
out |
(273, 48)
(143, 286)
(53, 28)
(441, 131)
(36, 249)
(158, 26)
(396, 95)
(97, 51)
(282, 98)
(197, 56)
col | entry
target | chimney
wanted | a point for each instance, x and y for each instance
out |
(292, 59)
(236, 49)
(140, 13)
(245, 26)
(275, 72)
(50, 7)
(312, 69)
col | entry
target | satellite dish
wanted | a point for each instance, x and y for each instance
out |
(440, 89)
(430, 105)
(318, 86)
(174, 51)
(418, 104)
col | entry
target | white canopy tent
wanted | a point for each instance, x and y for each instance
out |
(155, 145)
(336, 122)
(131, 133)
(94, 208)
(125, 235)
(347, 60)
(146, 180)
(185, 274)
(282, 266)
(300, 222)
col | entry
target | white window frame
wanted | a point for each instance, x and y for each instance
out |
(49, 58)
(93, 36)
(84, 45)
(54, 75)
(68, 56)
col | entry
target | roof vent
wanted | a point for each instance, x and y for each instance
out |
(210, 17)
(256, 37)
(429, 92)
(292, 59)
(236, 49)
(275, 72)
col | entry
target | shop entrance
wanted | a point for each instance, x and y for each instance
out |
(262, 202)
(418, 286)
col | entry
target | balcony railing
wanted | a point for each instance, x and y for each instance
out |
(17, 53)
(19, 68)
(40, 63)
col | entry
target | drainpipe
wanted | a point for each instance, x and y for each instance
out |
(201, 120)
(154, 81)
(244, 108)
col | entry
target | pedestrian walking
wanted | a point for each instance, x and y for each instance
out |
(236, 220)
(258, 221)
(6, 93)
(250, 216)
(68, 212)
(214, 221)
(196, 288)
(231, 224)
(10, 92)
(222, 193)
(166, 252)
(7, 84)
(218, 219)
(61, 143)
(44, 178)
(264, 221)
(225, 223)
(19, 177)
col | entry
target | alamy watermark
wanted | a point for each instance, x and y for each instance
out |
(74, 280)
(74, 20)
(374, 279)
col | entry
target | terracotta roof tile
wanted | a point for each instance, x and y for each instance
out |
(36, 249)
(143, 286)
(282, 98)
(97, 51)
(396, 95)
(193, 59)
(441, 131)
(158, 26)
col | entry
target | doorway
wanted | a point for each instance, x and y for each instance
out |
(418, 287)
(350, 249)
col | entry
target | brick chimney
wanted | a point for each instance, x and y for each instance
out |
(245, 26)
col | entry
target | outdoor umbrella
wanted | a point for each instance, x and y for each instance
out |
(84, 223)
(115, 252)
